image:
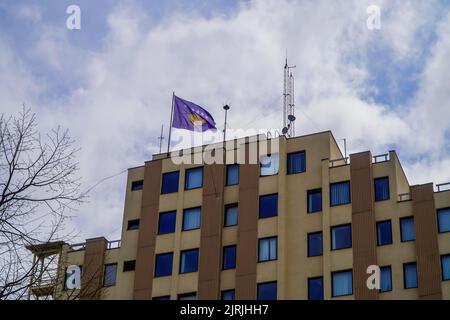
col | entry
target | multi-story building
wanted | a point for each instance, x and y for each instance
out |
(302, 223)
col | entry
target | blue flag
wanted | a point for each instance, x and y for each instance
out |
(187, 114)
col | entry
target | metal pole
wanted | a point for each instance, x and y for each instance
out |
(345, 149)
(161, 138)
(170, 124)
(226, 108)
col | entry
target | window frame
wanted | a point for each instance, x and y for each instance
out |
(259, 206)
(156, 263)
(129, 262)
(181, 257)
(138, 183)
(312, 191)
(293, 154)
(308, 242)
(182, 222)
(227, 206)
(228, 291)
(162, 182)
(401, 229)
(390, 279)
(133, 228)
(323, 289)
(259, 249)
(260, 164)
(266, 283)
(104, 275)
(331, 236)
(437, 218)
(375, 189)
(159, 222)
(442, 266)
(186, 180)
(223, 257)
(404, 275)
(332, 283)
(349, 193)
(392, 238)
(180, 296)
(227, 183)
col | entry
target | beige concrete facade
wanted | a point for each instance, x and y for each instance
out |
(292, 268)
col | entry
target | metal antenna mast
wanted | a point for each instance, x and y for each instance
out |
(288, 102)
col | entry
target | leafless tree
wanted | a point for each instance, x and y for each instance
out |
(39, 186)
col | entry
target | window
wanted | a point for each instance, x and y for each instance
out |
(267, 291)
(231, 215)
(268, 206)
(133, 224)
(194, 178)
(163, 264)
(166, 222)
(407, 229)
(341, 237)
(445, 264)
(232, 174)
(315, 244)
(314, 200)
(170, 182)
(444, 220)
(188, 296)
(342, 283)
(191, 219)
(129, 265)
(110, 275)
(189, 261)
(384, 233)
(229, 257)
(315, 288)
(381, 189)
(385, 279)
(267, 249)
(228, 295)
(137, 185)
(269, 165)
(161, 298)
(296, 162)
(339, 193)
(410, 275)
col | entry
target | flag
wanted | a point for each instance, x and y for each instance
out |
(186, 115)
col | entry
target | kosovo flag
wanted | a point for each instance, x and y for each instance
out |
(187, 115)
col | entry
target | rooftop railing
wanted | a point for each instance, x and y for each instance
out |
(404, 196)
(339, 162)
(115, 244)
(381, 158)
(443, 187)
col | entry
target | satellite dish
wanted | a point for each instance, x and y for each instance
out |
(291, 118)
(285, 130)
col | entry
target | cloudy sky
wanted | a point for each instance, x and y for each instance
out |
(111, 82)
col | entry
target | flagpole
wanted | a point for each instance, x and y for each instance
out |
(226, 108)
(171, 121)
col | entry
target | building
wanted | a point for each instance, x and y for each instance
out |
(307, 225)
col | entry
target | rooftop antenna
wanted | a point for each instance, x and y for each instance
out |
(288, 101)
(161, 138)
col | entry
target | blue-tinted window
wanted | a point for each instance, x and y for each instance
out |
(296, 162)
(228, 295)
(339, 193)
(170, 182)
(232, 174)
(188, 296)
(137, 185)
(444, 220)
(341, 237)
(385, 279)
(110, 275)
(267, 291)
(315, 244)
(133, 224)
(407, 229)
(163, 264)
(161, 298)
(384, 233)
(315, 288)
(189, 261)
(381, 189)
(194, 178)
(314, 200)
(267, 249)
(191, 219)
(445, 263)
(410, 275)
(342, 283)
(268, 206)
(166, 223)
(231, 215)
(229, 257)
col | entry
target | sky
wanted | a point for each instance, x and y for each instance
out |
(111, 82)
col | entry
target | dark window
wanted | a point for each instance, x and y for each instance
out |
(231, 215)
(314, 200)
(385, 279)
(315, 288)
(410, 275)
(445, 264)
(188, 296)
(191, 219)
(229, 257)
(133, 224)
(129, 265)
(267, 249)
(166, 222)
(228, 295)
(110, 275)
(161, 298)
(267, 291)
(444, 220)
(384, 233)
(163, 264)
(189, 261)
(137, 185)
(407, 229)
(296, 162)
(232, 174)
(381, 189)
(315, 244)
(341, 237)
(268, 206)
(194, 178)
(170, 182)
(342, 283)
(339, 193)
